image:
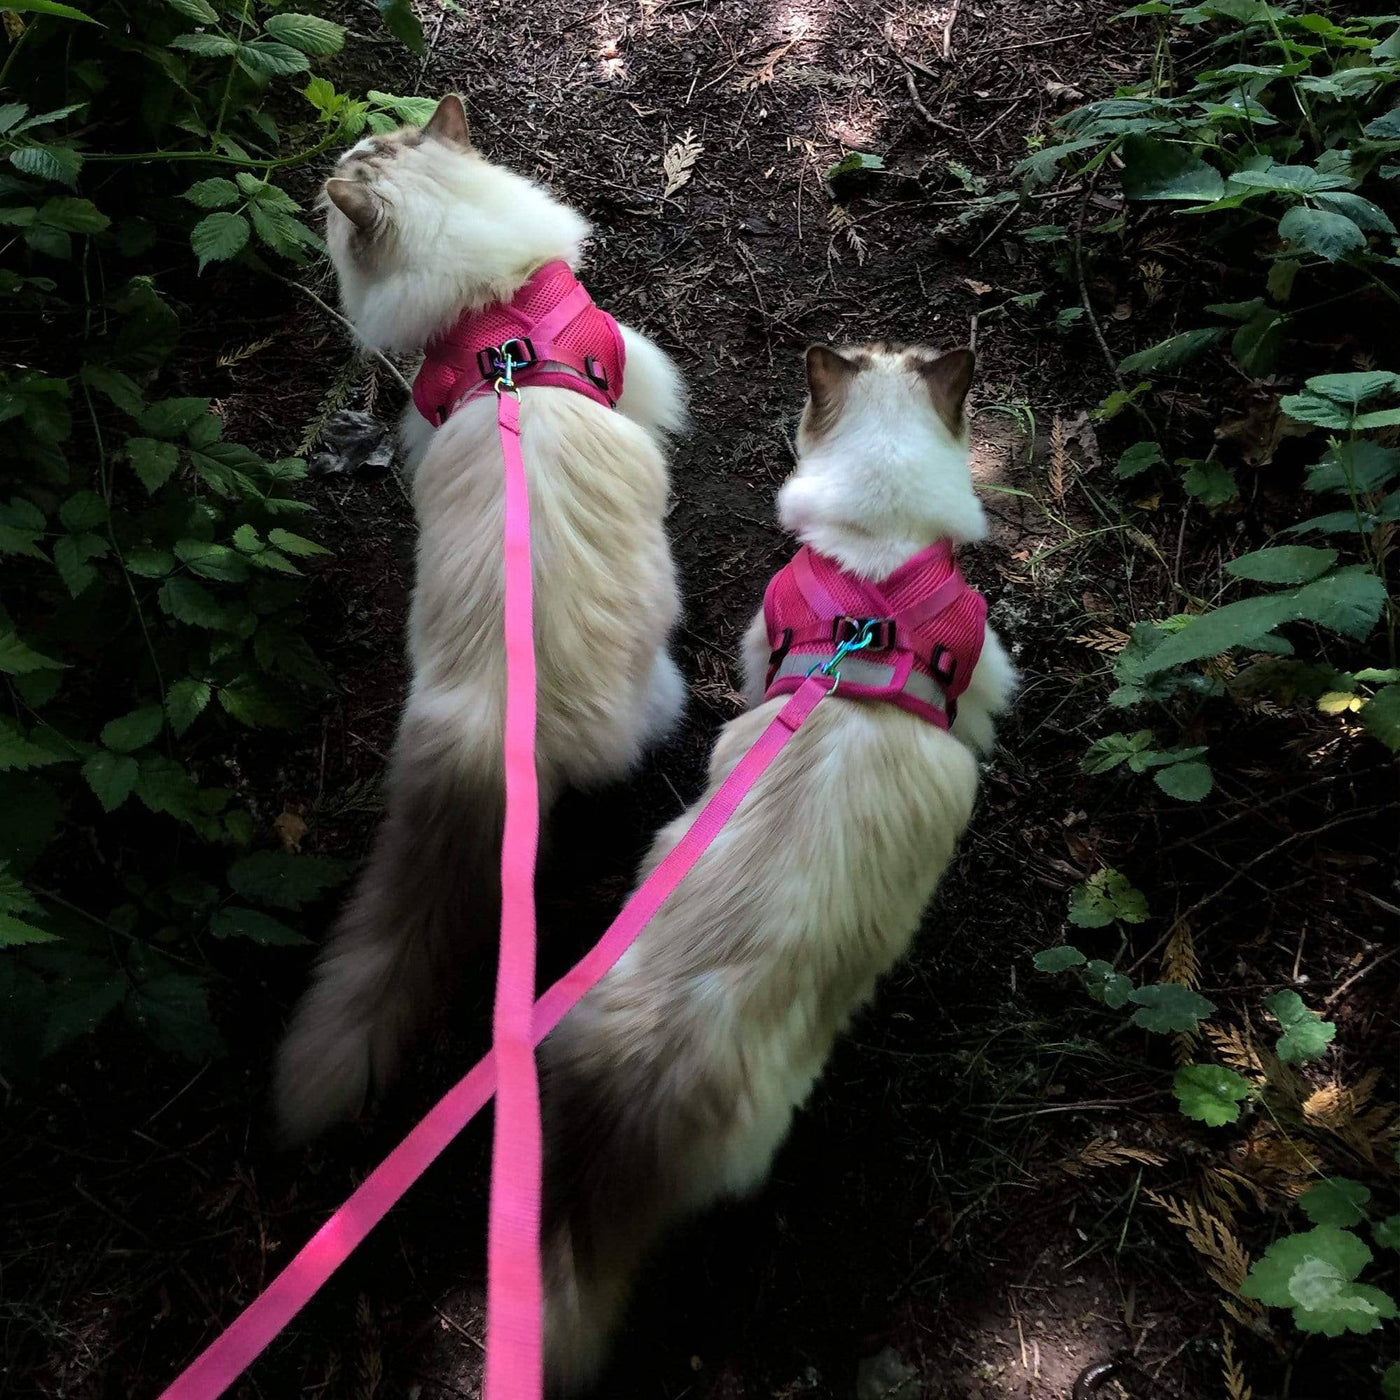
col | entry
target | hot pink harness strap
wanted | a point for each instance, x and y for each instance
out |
(230, 1354)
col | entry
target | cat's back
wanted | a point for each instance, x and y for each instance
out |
(605, 591)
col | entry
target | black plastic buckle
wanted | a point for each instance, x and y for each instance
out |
(595, 372)
(944, 672)
(775, 657)
(491, 360)
(850, 629)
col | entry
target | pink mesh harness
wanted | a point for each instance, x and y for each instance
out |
(553, 333)
(926, 625)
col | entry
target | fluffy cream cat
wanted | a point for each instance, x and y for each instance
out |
(420, 228)
(674, 1081)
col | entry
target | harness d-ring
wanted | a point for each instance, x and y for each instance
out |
(833, 667)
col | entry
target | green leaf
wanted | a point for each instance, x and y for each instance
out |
(15, 932)
(1210, 1094)
(218, 237)
(251, 924)
(401, 21)
(216, 193)
(185, 702)
(1106, 984)
(1160, 170)
(1280, 280)
(120, 388)
(1336, 1200)
(308, 33)
(1347, 602)
(111, 776)
(149, 563)
(272, 60)
(58, 163)
(1189, 782)
(200, 11)
(171, 1007)
(1313, 408)
(1380, 717)
(17, 754)
(1291, 563)
(1257, 343)
(169, 418)
(73, 215)
(1168, 354)
(1107, 753)
(1103, 897)
(294, 544)
(70, 557)
(1169, 1007)
(1313, 1274)
(1138, 459)
(1386, 1233)
(1385, 127)
(192, 603)
(246, 701)
(83, 511)
(215, 561)
(854, 163)
(1390, 1382)
(1059, 959)
(1355, 388)
(49, 7)
(81, 1001)
(135, 730)
(284, 881)
(205, 45)
(1210, 483)
(1330, 236)
(1305, 1034)
(17, 659)
(22, 526)
(1366, 216)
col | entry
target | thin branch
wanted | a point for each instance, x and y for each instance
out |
(336, 316)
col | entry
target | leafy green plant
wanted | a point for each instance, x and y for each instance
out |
(154, 599)
(1178, 771)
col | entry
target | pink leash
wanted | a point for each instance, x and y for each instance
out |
(514, 1306)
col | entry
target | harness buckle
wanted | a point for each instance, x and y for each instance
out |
(879, 631)
(501, 361)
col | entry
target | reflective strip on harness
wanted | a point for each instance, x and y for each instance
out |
(856, 670)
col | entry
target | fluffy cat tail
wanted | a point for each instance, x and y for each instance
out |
(428, 896)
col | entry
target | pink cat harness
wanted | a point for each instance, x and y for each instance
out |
(551, 331)
(918, 632)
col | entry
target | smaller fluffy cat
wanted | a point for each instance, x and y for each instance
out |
(674, 1082)
(421, 227)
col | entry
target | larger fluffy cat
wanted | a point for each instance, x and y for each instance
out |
(421, 228)
(675, 1080)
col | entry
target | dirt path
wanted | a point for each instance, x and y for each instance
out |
(917, 1207)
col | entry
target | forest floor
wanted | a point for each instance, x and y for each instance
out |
(961, 1212)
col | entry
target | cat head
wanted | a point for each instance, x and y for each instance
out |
(883, 453)
(420, 227)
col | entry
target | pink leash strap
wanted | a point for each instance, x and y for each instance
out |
(514, 1297)
(234, 1350)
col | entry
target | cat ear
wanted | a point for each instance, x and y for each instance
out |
(449, 123)
(948, 378)
(828, 375)
(356, 201)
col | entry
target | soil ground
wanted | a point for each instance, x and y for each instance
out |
(940, 1195)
